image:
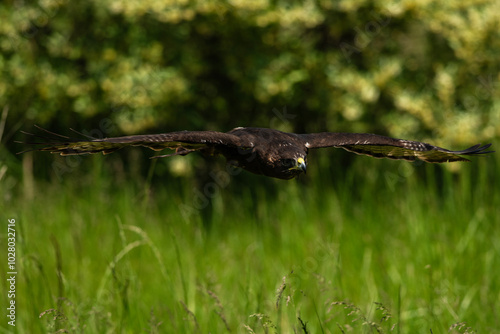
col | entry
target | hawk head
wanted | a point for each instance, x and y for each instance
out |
(289, 168)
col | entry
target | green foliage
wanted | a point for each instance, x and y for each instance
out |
(415, 69)
(382, 247)
(115, 245)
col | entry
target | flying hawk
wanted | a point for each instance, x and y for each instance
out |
(262, 151)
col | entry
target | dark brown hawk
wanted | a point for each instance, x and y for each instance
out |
(259, 150)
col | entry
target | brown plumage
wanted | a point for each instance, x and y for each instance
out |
(259, 150)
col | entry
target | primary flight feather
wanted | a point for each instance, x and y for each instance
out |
(263, 151)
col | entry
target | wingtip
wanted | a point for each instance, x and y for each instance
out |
(475, 150)
(482, 149)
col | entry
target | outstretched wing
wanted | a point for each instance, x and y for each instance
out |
(183, 142)
(386, 147)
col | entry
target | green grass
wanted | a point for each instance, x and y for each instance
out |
(382, 247)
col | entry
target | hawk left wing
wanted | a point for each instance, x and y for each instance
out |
(183, 142)
(385, 147)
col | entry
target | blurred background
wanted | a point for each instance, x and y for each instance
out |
(409, 69)
(183, 241)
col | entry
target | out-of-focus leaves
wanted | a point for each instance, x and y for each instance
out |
(415, 69)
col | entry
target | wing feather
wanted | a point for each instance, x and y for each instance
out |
(186, 141)
(386, 147)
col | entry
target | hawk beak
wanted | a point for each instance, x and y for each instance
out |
(301, 164)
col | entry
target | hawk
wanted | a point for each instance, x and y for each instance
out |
(261, 151)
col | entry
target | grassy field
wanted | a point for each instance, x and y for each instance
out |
(381, 247)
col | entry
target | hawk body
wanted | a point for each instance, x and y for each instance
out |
(263, 151)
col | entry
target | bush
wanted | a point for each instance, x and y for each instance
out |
(413, 69)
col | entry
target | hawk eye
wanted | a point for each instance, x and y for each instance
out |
(288, 162)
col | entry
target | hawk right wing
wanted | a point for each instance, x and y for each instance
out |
(386, 147)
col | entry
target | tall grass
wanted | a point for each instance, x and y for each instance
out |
(382, 247)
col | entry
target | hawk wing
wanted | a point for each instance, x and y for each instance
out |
(183, 142)
(386, 147)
